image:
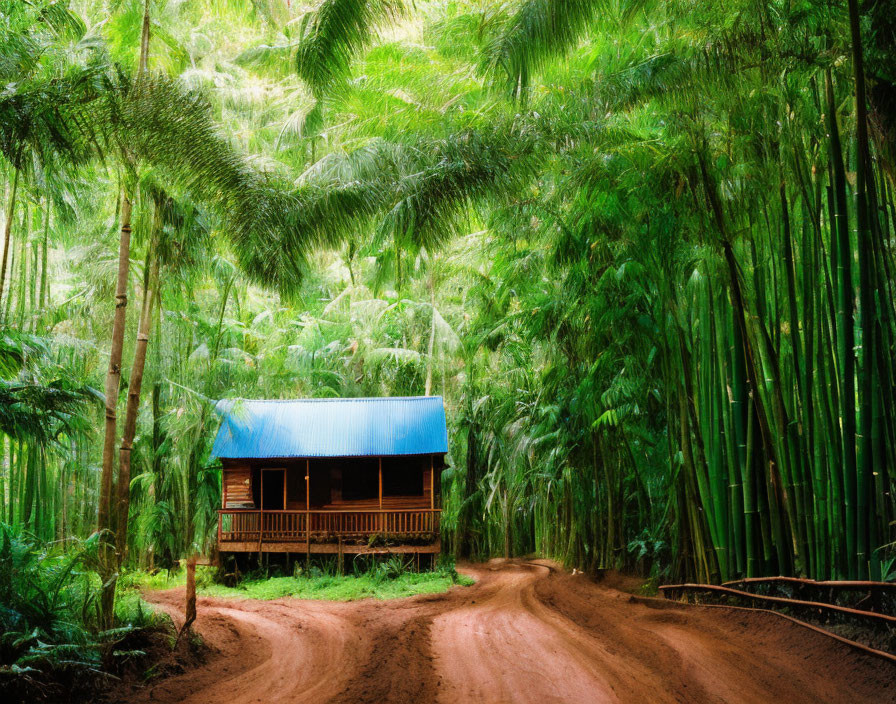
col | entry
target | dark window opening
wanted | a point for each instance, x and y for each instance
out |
(360, 481)
(402, 479)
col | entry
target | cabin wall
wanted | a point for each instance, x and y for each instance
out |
(237, 486)
(427, 485)
(295, 486)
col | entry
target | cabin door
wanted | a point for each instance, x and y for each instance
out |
(273, 489)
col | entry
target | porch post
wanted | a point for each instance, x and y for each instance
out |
(223, 503)
(307, 511)
(380, 521)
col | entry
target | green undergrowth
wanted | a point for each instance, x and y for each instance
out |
(391, 579)
(340, 588)
(53, 643)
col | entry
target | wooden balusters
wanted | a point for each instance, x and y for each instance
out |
(244, 525)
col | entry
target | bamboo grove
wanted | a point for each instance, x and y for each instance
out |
(645, 250)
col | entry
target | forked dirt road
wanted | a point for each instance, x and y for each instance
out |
(526, 632)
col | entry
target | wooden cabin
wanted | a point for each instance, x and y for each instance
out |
(331, 475)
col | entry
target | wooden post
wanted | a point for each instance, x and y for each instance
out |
(340, 559)
(380, 517)
(432, 483)
(307, 513)
(190, 605)
(223, 502)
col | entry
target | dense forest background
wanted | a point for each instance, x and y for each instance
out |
(644, 250)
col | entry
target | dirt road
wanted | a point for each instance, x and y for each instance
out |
(526, 632)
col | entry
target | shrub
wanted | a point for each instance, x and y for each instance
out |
(49, 601)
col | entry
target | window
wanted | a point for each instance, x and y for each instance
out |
(360, 480)
(402, 477)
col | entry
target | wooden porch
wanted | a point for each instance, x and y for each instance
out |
(329, 531)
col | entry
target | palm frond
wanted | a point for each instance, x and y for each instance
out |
(334, 33)
(537, 32)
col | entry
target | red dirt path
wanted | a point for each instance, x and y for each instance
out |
(526, 632)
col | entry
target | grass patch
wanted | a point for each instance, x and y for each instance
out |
(163, 579)
(336, 588)
(383, 580)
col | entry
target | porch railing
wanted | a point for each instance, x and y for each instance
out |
(247, 525)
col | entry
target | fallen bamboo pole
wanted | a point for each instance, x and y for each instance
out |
(826, 584)
(783, 601)
(860, 646)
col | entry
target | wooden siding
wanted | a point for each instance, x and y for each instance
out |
(389, 502)
(295, 486)
(238, 487)
(427, 485)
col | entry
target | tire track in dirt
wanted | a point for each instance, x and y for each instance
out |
(526, 632)
(683, 654)
(498, 650)
(276, 653)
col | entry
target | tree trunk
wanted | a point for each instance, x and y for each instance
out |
(113, 377)
(845, 328)
(7, 229)
(864, 467)
(44, 255)
(22, 283)
(144, 39)
(464, 541)
(113, 380)
(432, 337)
(133, 406)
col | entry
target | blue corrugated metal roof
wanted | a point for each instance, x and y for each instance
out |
(345, 427)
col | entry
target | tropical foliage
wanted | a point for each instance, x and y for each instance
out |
(643, 249)
(50, 621)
